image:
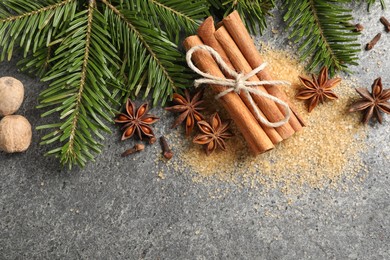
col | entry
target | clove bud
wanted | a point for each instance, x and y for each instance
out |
(386, 23)
(167, 153)
(136, 148)
(358, 27)
(372, 43)
(152, 140)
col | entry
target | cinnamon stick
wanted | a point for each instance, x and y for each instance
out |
(268, 107)
(239, 33)
(255, 136)
(206, 33)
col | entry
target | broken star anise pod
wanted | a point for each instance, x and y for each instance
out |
(318, 89)
(213, 134)
(136, 120)
(189, 108)
(372, 103)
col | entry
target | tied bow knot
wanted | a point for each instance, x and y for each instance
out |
(239, 84)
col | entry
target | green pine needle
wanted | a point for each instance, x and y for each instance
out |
(253, 12)
(371, 2)
(324, 32)
(173, 16)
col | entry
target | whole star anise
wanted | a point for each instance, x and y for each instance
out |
(136, 120)
(189, 108)
(213, 134)
(373, 103)
(317, 90)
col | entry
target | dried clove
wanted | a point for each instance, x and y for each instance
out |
(167, 153)
(358, 27)
(136, 148)
(372, 43)
(386, 23)
(152, 140)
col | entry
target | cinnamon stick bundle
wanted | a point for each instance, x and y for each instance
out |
(206, 33)
(243, 40)
(233, 43)
(257, 139)
(272, 112)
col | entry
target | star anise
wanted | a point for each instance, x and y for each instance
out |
(373, 103)
(213, 134)
(317, 90)
(136, 120)
(189, 108)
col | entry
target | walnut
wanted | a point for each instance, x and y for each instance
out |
(15, 134)
(11, 95)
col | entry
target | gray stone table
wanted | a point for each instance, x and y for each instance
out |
(120, 209)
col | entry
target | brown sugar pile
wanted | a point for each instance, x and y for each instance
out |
(327, 151)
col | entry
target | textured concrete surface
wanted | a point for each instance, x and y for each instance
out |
(120, 209)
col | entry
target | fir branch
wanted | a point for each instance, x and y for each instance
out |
(26, 9)
(78, 88)
(324, 31)
(71, 46)
(175, 16)
(69, 155)
(31, 28)
(152, 55)
(253, 12)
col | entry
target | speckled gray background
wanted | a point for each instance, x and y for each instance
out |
(120, 209)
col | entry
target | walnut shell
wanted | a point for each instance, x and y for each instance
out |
(15, 134)
(11, 95)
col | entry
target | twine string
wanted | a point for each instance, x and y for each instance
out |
(239, 84)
